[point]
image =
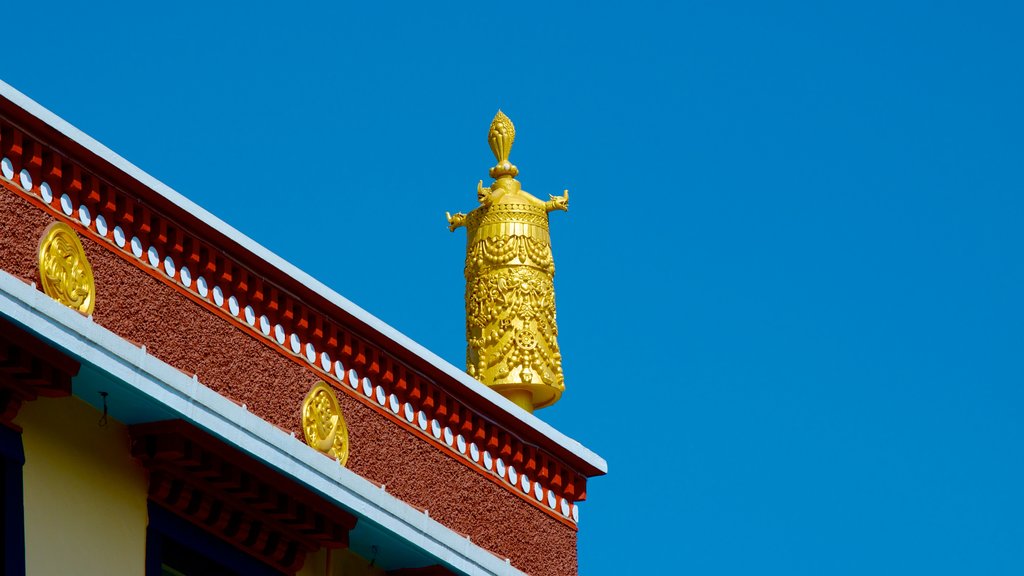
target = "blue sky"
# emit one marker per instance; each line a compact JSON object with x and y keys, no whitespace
{"x":790,"y":283}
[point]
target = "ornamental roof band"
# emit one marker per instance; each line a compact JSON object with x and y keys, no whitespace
{"x":37,"y":120}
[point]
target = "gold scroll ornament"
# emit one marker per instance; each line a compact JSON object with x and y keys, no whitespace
{"x":64,"y":270}
{"x":511,"y":333}
{"x":323,"y":424}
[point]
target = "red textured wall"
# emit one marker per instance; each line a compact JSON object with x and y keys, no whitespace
{"x":143,"y":310}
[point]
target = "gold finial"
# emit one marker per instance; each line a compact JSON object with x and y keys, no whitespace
{"x":501,"y":136}
{"x":64,"y":271}
{"x":512,"y":338}
{"x":323,"y":424}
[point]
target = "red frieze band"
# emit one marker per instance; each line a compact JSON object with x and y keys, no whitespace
{"x":139,"y":233}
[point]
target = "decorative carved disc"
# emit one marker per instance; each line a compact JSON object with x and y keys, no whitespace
{"x":323,"y":423}
{"x":64,"y":270}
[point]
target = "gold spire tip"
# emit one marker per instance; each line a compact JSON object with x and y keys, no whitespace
{"x":501,"y":136}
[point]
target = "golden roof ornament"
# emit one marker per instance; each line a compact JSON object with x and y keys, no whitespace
{"x":512,"y":343}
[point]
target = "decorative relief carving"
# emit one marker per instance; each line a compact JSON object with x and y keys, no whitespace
{"x":508,"y":250}
{"x":511,"y":333}
{"x":64,"y":271}
{"x":323,"y":423}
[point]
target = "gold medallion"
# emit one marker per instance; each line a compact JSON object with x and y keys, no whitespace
{"x":323,"y":423}
{"x":64,"y":270}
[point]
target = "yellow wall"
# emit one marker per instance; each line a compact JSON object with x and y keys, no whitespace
{"x":342,"y":562}
{"x":85,"y":496}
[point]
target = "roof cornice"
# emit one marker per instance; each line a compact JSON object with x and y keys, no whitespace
{"x":181,"y":396}
{"x":162,"y":199}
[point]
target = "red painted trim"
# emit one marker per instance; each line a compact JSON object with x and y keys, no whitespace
{"x":230,"y":495}
{"x":473,"y":433}
{"x":137,"y":219}
{"x":29,"y":368}
{"x":118,"y":188}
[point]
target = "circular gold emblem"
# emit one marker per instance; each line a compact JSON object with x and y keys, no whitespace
{"x":323,"y":423}
{"x":63,"y":269}
{"x":527,"y":339}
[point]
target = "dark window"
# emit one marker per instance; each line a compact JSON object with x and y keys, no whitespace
{"x":12,"y":516}
{"x":175,"y":547}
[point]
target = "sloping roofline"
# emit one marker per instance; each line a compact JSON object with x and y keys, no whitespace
{"x":33,"y":115}
{"x":169,"y":393}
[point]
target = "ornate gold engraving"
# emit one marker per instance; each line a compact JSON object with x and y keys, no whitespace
{"x":323,"y":423}
{"x":510,"y":297}
{"x":64,"y":271}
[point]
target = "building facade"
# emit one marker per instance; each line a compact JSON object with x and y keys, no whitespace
{"x":179,"y":400}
